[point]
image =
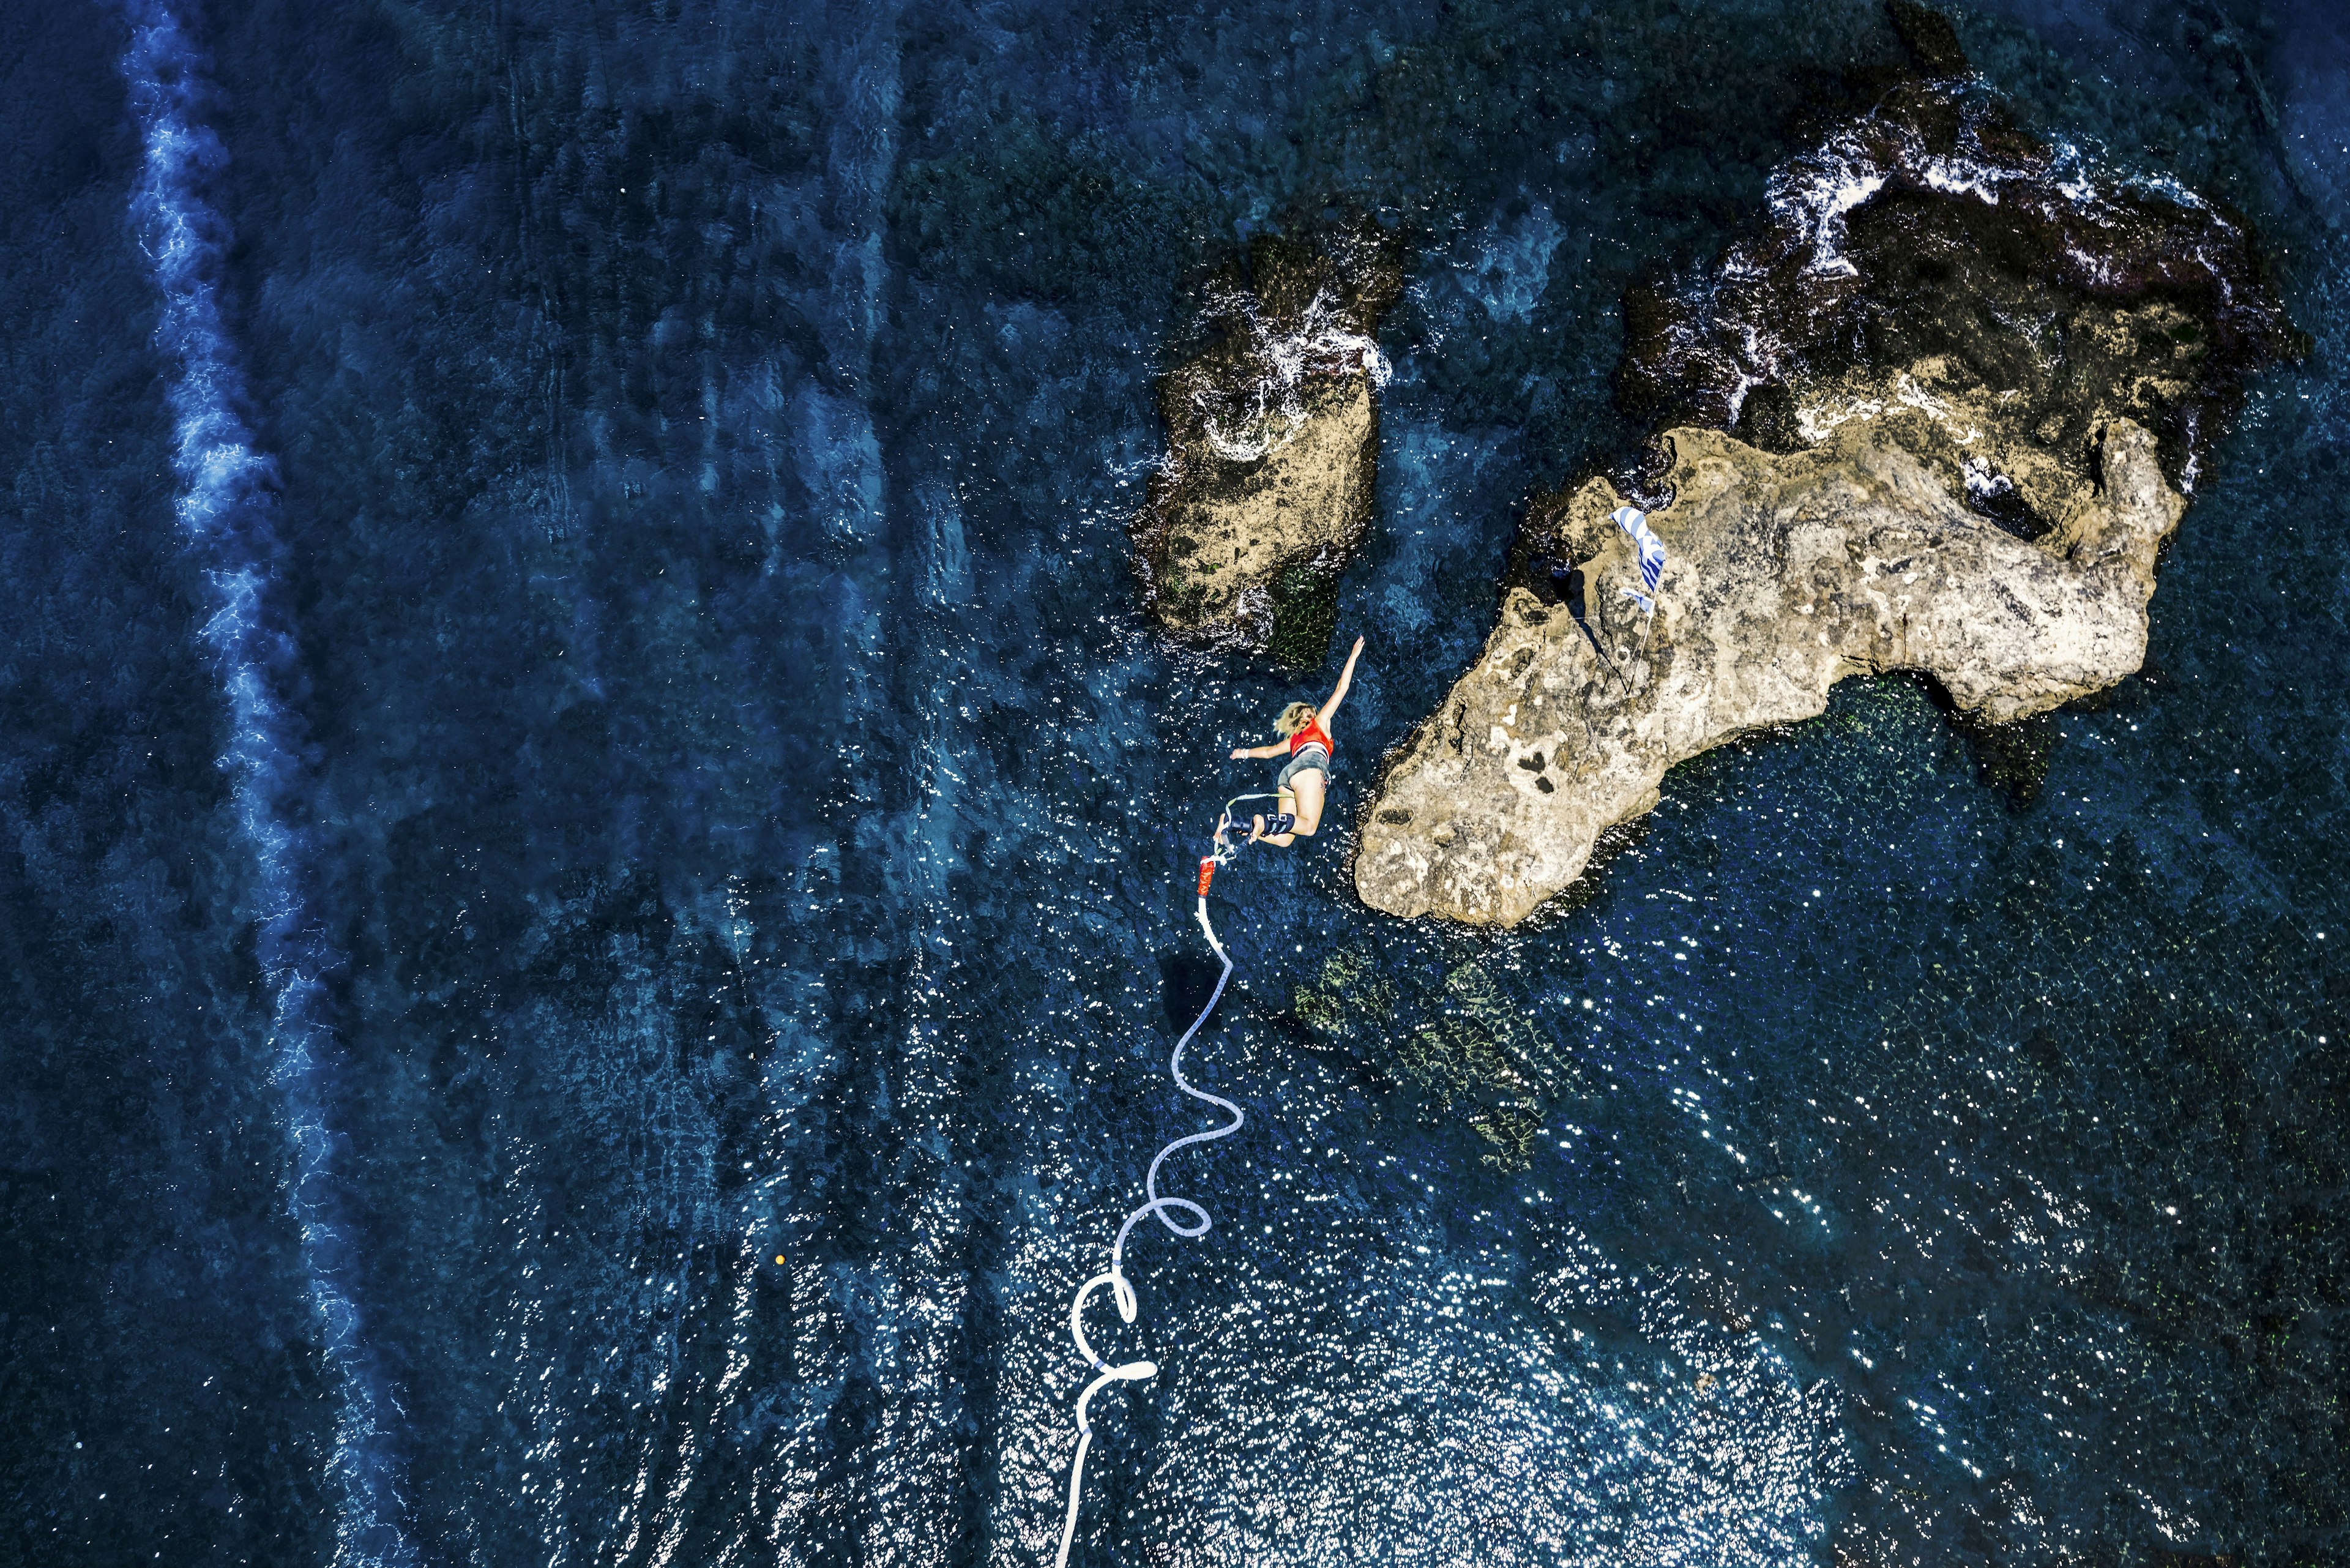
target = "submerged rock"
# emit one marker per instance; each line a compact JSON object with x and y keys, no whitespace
{"x":1939,"y":417}
{"x":1273,"y":444}
{"x":1464,"y":1044}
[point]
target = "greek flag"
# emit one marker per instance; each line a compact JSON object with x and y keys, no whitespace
{"x":1635,"y":522}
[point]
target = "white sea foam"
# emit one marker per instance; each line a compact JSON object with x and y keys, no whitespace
{"x":2070,"y":169}
{"x":1985,"y":485}
{"x":1965,"y":177}
{"x":1764,"y":361}
{"x":1818,"y":422}
{"x":1814,"y":192}
{"x":222,"y":509}
{"x":1818,"y":194}
{"x":1319,"y":344}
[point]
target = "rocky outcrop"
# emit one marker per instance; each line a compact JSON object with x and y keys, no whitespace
{"x":1931,"y":256}
{"x":1273,"y":446}
{"x":1938,"y":416}
{"x":1785,"y":575}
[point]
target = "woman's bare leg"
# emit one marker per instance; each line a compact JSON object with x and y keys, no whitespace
{"x":1310,"y":788}
{"x":1304,"y":799}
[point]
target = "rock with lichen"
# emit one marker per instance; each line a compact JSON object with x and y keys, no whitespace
{"x":1785,"y":575}
{"x":1939,"y":416}
{"x":1273,"y":446}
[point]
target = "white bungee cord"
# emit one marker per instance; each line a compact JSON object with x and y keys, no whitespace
{"x":1164,"y":1209}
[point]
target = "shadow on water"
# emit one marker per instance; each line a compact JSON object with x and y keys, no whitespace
{"x":1187,"y":979}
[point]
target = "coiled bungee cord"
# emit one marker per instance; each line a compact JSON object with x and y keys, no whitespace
{"x":1180,"y":1215}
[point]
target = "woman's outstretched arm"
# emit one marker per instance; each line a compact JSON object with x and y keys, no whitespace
{"x":1278,"y":749}
{"x":1338,"y":693}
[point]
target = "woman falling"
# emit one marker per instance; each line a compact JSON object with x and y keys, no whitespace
{"x":1304,"y":783}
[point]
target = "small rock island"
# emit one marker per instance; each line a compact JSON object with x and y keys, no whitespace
{"x":1273,"y":445}
{"x":1939,"y":416}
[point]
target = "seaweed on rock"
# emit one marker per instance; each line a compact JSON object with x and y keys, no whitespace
{"x":1933,"y":264}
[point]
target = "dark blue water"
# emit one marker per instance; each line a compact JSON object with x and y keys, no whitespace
{"x":599,"y":1015}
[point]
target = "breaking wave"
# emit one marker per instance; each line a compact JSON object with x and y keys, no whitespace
{"x":1270,"y":410}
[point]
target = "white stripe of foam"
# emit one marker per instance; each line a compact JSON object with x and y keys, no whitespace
{"x":223,"y":512}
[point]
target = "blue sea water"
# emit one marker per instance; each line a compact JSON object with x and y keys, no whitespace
{"x":588,"y":969}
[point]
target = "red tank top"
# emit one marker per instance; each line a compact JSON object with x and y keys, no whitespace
{"x":1312,"y":735}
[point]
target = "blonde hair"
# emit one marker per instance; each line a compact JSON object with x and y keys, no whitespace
{"x":1294,"y":717}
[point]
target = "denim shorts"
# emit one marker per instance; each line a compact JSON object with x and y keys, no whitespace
{"x":1309,"y":756}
